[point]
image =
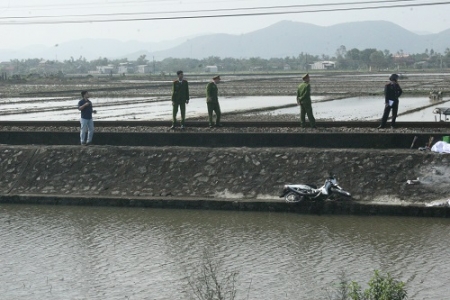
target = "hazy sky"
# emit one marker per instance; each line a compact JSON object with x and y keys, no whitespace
{"x":430,"y":19}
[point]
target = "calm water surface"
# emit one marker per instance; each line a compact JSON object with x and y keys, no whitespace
{"x":137,"y":108}
{"x":141,"y":108}
{"x":114,"y":253}
{"x":368,"y":109}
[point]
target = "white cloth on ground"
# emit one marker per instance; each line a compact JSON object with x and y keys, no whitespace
{"x":441,"y":147}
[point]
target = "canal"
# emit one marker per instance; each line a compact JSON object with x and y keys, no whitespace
{"x":49,"y":252}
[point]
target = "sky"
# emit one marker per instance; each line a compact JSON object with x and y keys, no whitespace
{"x":17,"y":18}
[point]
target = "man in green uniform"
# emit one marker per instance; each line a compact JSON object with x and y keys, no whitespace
{"x":304,"y":100}
{"x":180,"y":97}
{"x":212,"y":100}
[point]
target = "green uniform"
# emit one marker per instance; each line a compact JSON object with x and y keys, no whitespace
{"x":304,"y":99}
{"x":180,"y":96}
{"x":212,"y":100}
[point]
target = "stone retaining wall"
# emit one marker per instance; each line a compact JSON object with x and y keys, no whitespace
{"x":311,"y":138}
{"x":231,"y":173}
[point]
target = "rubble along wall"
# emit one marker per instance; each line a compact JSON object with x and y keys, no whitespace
{"x":241,"y":173}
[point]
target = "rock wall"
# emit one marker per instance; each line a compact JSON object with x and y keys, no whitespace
{"x":239,"y":173}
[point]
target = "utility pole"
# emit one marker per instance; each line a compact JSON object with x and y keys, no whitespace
{"x":154,"y":68}
{"x":306,"y":61}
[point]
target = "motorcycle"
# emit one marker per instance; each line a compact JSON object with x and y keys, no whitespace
{"x":300,"y":192}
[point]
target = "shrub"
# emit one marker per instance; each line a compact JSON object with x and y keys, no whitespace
{"x":381,"y":287}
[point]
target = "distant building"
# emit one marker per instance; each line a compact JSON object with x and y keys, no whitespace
{"x":125,"y":68}
{"x":323,"y":65}
{"x":421,"y":64}
{"x":211,"y":69}
{"x":47,"y":67}
{"x":143,"y":69}
{"x":400,"y":55}
{"x":256,"y":68}
{"x":109,"y":69}
{"x":287,"y":67}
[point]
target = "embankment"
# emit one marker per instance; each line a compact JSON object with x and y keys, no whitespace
{"x":240,"y":174}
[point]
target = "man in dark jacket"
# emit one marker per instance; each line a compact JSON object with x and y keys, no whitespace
{"x":392,"y":91}
{"x":86,"y":121}
{"x":212,"y":100}
{"x":180,"y":97}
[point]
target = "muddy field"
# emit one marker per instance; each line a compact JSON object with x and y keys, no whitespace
{"x":336,"y":84}
{"x":268,"y":97}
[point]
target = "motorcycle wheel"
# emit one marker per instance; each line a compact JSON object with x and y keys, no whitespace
{"x":293,"y":198}
{"x":341,"y":192}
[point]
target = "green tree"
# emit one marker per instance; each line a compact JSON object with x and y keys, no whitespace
{"x":353,"y":58}
{"x":377,"y":59}
{"x":365,"y":56}
{"x":341,"y":52}
{"x":141,"y":60}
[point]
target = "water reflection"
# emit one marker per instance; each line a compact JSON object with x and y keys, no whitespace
{"x":138,"y":108}
{"x":366,"y":109}
{"x":142,"y":108}
{"x":110,"y":253}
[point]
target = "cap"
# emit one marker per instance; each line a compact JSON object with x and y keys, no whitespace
{"x":393,"y":77}
{"x":216,"y":77}
{"x":305,"y":76}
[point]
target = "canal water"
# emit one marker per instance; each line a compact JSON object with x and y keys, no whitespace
{"x":49,"y":252}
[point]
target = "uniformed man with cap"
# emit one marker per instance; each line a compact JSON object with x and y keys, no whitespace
{"x":304,"y":100}
{"x":212,"y":100}
{"x":180,"y":97}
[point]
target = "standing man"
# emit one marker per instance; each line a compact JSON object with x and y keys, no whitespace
{"x":180,"y":97}
{"x":304,"y":100}
{"x":392,"y":91}
{"x":87,"y":123}
{"x":212,"y":100}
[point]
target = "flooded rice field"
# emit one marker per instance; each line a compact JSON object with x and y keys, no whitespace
{"x":139,"y":108}
{"x":367,"y":108}
{"x":354,"y":96}
{"x":371,"y":108}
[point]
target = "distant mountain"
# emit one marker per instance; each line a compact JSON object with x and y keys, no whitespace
{"x":88,"y":48}
{"x":288,"y":38}
{"x":282,"y":39}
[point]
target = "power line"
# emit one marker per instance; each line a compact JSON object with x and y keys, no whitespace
{"x":210,"y":10}
{"x":103,"y":4}
{"x":227,"y":15}
{"x":70,"y":5}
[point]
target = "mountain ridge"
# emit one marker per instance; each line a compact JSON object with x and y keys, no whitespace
{"x":288,"y":38}
{"x":285,"y":38}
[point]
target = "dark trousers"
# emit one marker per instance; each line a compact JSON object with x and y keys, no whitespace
{"x":175,"y":111}
{"x":213,"y":107}
{"x":387,"y":110}
{"x":307,"y":110}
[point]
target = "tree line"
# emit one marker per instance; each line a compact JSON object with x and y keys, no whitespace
{"x":344,"y":59}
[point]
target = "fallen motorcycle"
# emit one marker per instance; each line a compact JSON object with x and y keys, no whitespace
{"x":300,"y":192}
